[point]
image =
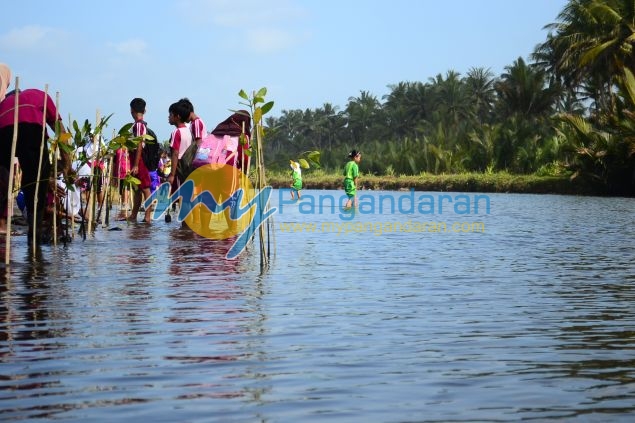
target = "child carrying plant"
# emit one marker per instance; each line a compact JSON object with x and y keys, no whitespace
{"x":351,"y":172}
{"x":296,"y":183}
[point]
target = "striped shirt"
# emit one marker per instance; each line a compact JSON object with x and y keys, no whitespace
{"x":138,"y":130}
{"x":180,"y":139}
{"x":197,"y":127}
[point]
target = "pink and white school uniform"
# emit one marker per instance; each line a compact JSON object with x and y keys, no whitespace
{"x":180,"y":140}
{"x":198,"y":129}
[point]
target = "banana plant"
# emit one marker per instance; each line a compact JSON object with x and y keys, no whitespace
{"x":309,"y":158}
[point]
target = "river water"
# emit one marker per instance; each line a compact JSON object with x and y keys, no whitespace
{"x":525,"y":312}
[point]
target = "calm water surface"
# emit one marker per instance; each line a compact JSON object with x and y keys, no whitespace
{"x":534,"y":318}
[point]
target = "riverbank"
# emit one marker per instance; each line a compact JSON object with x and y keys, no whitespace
{"x":468,"y":182}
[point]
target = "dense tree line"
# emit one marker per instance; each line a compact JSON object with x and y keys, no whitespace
{"x":567,"y":109}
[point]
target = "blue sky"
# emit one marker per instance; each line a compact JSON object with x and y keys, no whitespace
{"x":99,"y":55}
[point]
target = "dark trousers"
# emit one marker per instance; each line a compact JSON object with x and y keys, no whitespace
{"x":27,"y":150}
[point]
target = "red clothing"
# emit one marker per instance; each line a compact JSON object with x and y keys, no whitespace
{"x":139,"y":128}
{"x":197,"y":128}
{"x":144,"y":176}
{"x":122,"y":163}
{"x":29,"y":142}
{"x":30,"y":108}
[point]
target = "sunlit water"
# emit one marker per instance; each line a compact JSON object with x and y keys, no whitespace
{"x":534,"y":318}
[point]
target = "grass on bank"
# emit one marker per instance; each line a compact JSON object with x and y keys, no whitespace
{"x":464,"y":182}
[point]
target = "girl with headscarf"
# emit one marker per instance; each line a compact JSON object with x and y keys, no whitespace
{"x":235,"y":125}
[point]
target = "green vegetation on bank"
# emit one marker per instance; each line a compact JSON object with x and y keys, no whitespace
{"x":466,"y":182}
{"x":571,"y":104}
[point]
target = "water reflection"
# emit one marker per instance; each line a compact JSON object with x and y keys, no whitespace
{"x":189,"y":253}
{"x":23,"y":309}
{"x":530,"y":320}
{"x":212,"y":302}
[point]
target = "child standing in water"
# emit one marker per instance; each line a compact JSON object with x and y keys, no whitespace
{"x":351,"y":172}
{"x":296,"y":184}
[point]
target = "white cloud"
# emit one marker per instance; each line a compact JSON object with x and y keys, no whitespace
{"x":32,"y":37}
{"x":265,"y":27}
{"x":132,"y":47}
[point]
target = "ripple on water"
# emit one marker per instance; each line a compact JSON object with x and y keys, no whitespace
{"x":532,"y":319}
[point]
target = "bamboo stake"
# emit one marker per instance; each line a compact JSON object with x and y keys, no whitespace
{"x":71,"y":158}
{"x":110,"y":180}
{"x":88,"y":211}
{"x":105,"y":179}
{"x":127,"y":194}
{"x":264,"y":250}
{"x":90,"y":201}
{"x":55,"y":152}
{"x":124,"y":196}
{"x":39,"y":168}
{"x":11,"y":173}
{"x":83,"y":210}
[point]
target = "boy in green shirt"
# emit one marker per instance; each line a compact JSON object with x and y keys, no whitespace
{"x":351,"y":172}
{"x":296,"y":184}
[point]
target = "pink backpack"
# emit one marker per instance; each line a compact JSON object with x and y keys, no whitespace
{"x":216,"y":150}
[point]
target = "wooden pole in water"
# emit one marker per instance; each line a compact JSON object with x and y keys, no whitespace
{"x":107,"y":194}
{"x":264,"y":239}
{"x":71,"y":158}
{"x":55,"y":152}
{"x":7,"y":240}
{"x":105,"y":180}
{"x":39,"y":167}
{"x":90,"y":202}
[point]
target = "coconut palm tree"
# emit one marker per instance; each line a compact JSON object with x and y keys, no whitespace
{"x":451,"y":105}
{"x":522,"y":91}
{"x":362,"y":112}
{"x":480,"y":90}
{"x":593,"y":38}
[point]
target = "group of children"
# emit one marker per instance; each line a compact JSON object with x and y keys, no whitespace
{"x":351,"y":173}
{"x":38,"y":112}
{"x":188,"y":141}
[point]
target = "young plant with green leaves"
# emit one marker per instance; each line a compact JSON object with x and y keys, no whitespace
{"x":258,"y":107}
{"x":73,"y":146}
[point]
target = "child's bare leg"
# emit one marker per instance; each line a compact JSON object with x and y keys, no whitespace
{"x":148,"y":212}
{"x":292,"y":196}
{"x":136,"y":204}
